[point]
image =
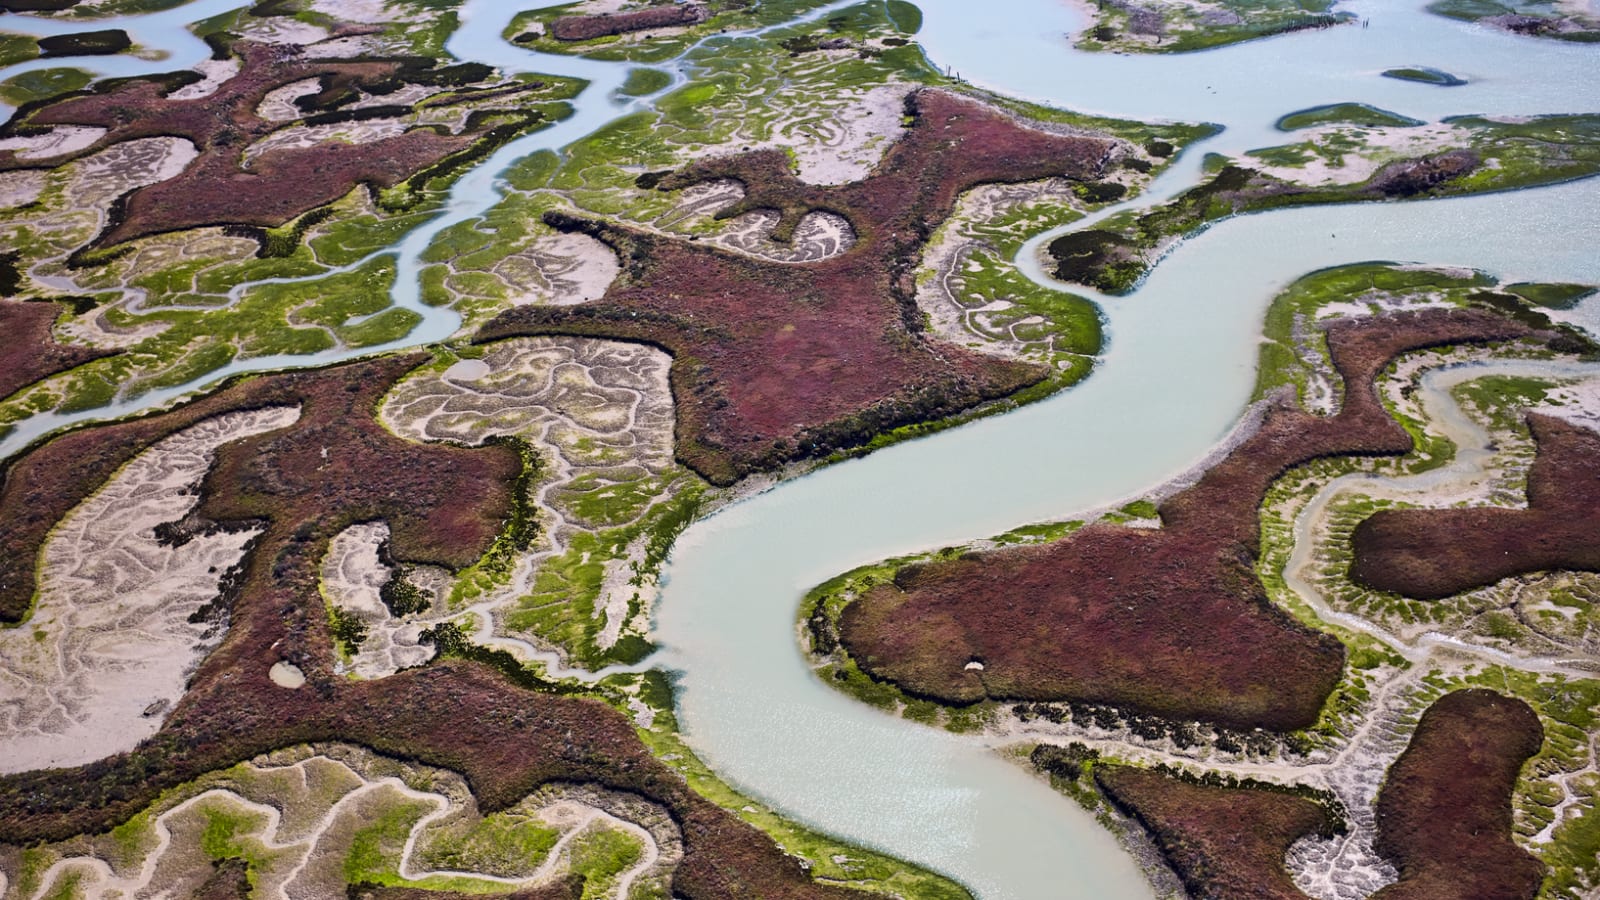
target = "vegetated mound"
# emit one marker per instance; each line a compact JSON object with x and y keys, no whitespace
{"x":1425,"y":75}
{"x":219,"y":187}
{"x":1113,"y":258}
{"x":1170,"y":621}
{"x":1224,"y":842}
{"x":1345,"y":113}
{"x":1429,"y":554}
{"x":775,"y":361}
{"x":85,"y":43}
{"x":29,"y":351}
{"x":1444,"y":814}
{"x":336,"y":466}
{"x":585,"y":28}
{"x":1536,"y":18}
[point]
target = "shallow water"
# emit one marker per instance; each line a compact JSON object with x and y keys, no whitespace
{"x":1177,"y":373}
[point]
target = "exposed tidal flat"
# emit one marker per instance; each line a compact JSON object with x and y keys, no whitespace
{"x":1179,"y":369}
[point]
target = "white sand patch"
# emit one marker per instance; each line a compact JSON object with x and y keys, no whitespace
{"x":110,"y":645}
{"x":599,"y":7}
{"x":281,"y":30}
{"x":299,"y":137}
{"x":407,"y":95}
{"x":1578,"y":403}
{"x":352,"y":577}
{"x":278,"y":104}
{"x":559,"y":270}
{"x":1382,"y":146}
{"x":58,"y":140}
{"x":365,"y":12}
{"x":618,"y":592}
{"x":574,"y":392}
{"x":216,"y":71}
{"x":594,"y":408}
{"x":286,"y":675}
{"x":347,"y":47}
{"x":21,"y":187}
{"x":114,"y":171}
{"x":844,"y":145}
{"x":959,"y":315}
{"x":817,"y":236}
{"x":1382,"y":303}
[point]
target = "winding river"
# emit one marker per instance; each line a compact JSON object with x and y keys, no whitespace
{"x":1173,"y":382}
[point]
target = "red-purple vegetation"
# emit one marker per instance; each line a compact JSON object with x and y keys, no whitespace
{"x":1170,"y":621}
{"x":333,"y":467}
{"x":1434,"y":553}
{"x":775,"y":361}
{"x":1444,"y":814}
{"x":444,"y":503}
{"x":586,"y":28}
{"x":29,"y":351}
{"x":218,"y":187}
{"x":1225,"y":843}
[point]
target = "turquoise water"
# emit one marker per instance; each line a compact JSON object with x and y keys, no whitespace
{"x":1174,"y":380}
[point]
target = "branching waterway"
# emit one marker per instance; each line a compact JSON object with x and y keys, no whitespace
{"x":1175,"y":379}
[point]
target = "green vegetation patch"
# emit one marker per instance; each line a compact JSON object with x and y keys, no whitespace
{"x":1347,"y":114}
{"x":41,"y":84}
{"x":643,"y":82}
{"x":1171,"y":27}
{"x":506,"y":844}
{"x":1539,"y":18}
{"x":906,"y":16}
{"x":1498,"y":155}
{"x":15,"y":48}
{"x":1290,"y":324}
{"x":1425,"y":75}
{"x":1552,"y":296}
